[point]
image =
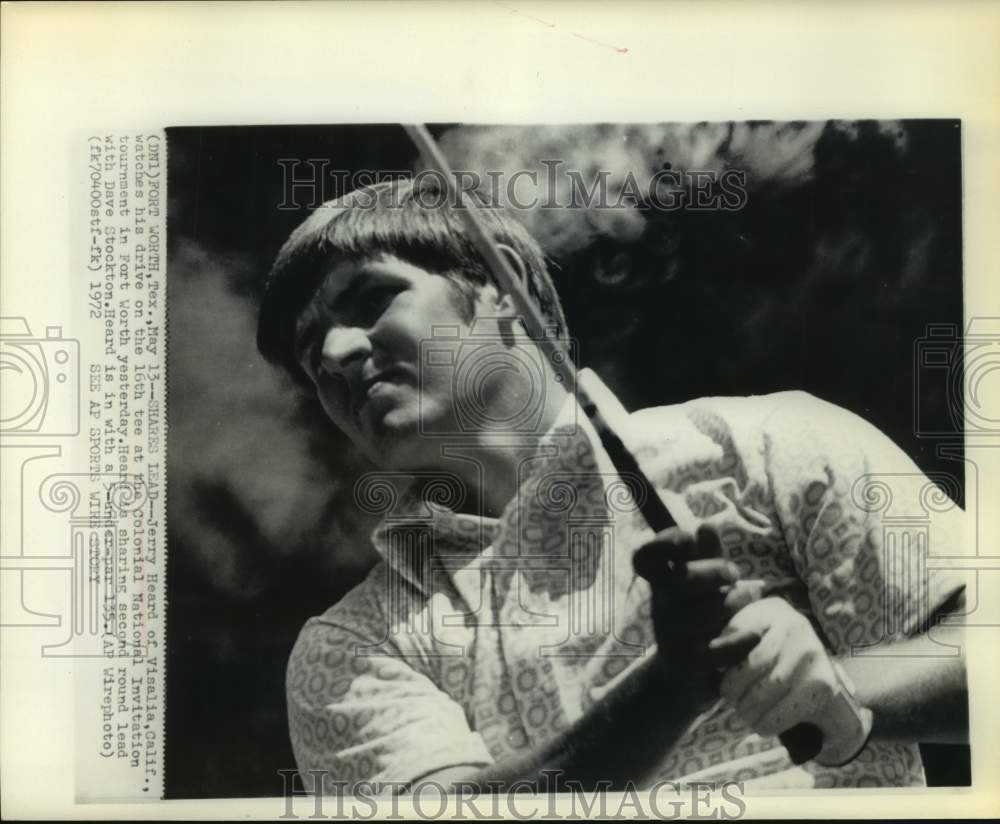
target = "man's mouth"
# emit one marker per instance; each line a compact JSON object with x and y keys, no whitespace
{"x":395,"y":374}
{"x":378,"y":385}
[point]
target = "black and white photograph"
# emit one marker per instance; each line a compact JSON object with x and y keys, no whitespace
{"x":423,"y":410}
{"x":576,"y":461}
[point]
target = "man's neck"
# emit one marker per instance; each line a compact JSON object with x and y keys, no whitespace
{"x":489,"y":464}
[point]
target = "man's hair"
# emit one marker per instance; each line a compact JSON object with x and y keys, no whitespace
{"x":412,"y":220}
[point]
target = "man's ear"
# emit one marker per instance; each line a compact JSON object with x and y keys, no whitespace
{"x":492,"y":304}
{"x":508,"y":317}
{"x":516,"y":263}
{"x":505,"y":305}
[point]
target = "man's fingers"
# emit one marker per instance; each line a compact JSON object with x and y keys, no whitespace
{"x":673,"y":537}
{"x":670,"y":550}
{"x":707,"y":544}
{"x":743,"y":593}
{"x":686,"y":587}
{"x":688,"y":583}
{"x":757,"y":665}
{"x":708,"y":574}
{"x":665,"y":556}
{"x":656,"y":565}
{"x":731,"y":649}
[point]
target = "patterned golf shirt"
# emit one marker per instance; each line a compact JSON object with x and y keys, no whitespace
{"x":476,"y":639}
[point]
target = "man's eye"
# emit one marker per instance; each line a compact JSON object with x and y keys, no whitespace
{"x":374,"y":301}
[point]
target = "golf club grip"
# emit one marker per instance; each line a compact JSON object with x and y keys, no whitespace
{"x":803,"y":742}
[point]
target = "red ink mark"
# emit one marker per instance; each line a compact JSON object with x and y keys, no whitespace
{"x":619,"y":49}
{"x":547,"y":24}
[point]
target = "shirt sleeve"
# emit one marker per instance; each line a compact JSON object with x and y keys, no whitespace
{"x":359,"y":709}
{"x":865,"y":526}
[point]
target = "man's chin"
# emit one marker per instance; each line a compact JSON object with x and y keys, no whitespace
{"x":395,"y":437}
{"x":403,"y":440}
{"x":397,"y":421}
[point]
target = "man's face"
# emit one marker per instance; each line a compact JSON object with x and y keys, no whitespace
{"x":359,"y":341}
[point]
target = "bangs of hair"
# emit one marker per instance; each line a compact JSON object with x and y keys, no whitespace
{"x":414,"y":222}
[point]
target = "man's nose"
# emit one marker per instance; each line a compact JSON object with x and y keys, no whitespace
{"x":344,"y":348}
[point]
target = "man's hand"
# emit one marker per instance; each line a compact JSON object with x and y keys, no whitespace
{"x":788,"y":678}
{"x":694,"y":593}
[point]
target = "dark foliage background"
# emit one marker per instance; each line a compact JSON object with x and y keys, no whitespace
{"x":848,"y":247}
